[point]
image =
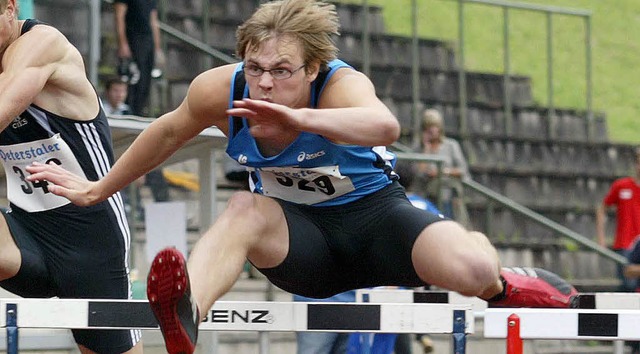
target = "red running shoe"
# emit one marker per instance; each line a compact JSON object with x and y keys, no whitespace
{"x":533,"y":287}
{"x":169,"y":295}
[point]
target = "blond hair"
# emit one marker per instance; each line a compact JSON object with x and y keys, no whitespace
{"x":433,"y":118}
{"x":312,"y":23}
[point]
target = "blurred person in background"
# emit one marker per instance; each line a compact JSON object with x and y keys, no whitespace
{"x":138,"y":34}
{"x":115,"y":93}
{"x":454,"y":168}
{"x":624,"y":197}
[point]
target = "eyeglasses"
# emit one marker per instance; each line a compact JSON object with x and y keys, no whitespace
{"x":277,"y":73}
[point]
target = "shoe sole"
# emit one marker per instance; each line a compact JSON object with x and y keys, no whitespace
{"x":166,"y":285}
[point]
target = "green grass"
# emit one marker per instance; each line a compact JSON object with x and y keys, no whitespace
{"x":615,"y":72}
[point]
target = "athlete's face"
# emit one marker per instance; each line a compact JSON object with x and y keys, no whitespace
{"x":277,"y":57}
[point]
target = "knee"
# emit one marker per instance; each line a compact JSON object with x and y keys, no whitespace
{"x":449,"y":256}
{"x":480,"y":267}
{"x":243,"y":210}
{"x":479,"y":274}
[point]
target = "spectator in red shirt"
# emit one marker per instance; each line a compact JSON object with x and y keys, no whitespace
{"x":624,"y":195}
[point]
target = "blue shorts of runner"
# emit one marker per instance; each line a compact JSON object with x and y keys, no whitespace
{"x":82,"y":256}
{"x":362,"y":244}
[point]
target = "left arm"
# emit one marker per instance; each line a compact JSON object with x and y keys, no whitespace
{"x":155,"y":28}
{"x":460,"y":169}
{"x":349,"y":112}
{"x":632,"y":270}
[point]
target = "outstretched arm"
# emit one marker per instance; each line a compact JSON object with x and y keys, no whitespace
{"x":199,"y":110}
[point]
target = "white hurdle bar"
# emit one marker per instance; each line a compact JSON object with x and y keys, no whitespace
{"x":416,"y":296}
{"x":262,"y":316}
{"x":615,"y":311}
{"x":565,"y":324}
{"x":603,"y":301}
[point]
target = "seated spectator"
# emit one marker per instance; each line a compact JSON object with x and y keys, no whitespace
{"x":114,"y":97}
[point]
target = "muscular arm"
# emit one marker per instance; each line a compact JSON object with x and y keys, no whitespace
{"x":351,"y":113}
{"x":27,"y":65}
{"x":203,"y":107}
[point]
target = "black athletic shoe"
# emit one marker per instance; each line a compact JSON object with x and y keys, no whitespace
{"x":169,"y":295}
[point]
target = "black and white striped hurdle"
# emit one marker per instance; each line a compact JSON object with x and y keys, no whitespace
{"x":418,"y":296}
{"x":18,"y":313}
{"x":601,"y":316}
{"x":603,"y":301}
{"x":582,"y":324}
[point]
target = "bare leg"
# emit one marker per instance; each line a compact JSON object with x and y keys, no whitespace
{"x":10,"y":258}
{"x":251,"y":226}
{"x":448,"y":256}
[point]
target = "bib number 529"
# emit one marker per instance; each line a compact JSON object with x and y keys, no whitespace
{"x":322,"y":184}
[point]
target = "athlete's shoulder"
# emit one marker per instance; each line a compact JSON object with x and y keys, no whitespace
{"x":208,"y":94}
{"x":218,"y":77}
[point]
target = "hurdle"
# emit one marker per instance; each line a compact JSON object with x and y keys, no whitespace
{"x":16,"y":313}
{"x":603,"y":301}
{"x":419,"y":296}
{"x":579,"y":324}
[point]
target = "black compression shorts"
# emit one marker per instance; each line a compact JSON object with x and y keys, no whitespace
{"x":361,"y":244}
{"x":82,"y":257}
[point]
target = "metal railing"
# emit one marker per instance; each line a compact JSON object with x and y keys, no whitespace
{"x":549,"y":11}
{"x":462,"y":93}
{"x":497,"y":198}
{"x":544,"y":221}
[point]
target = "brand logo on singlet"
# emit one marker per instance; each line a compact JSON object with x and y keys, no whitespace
{"x":242,"y":159}
{"x":304,"y":156}
{"x":19,"y":122}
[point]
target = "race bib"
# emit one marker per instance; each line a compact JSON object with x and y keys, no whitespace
{"x":35,"y":196}
{"x":304,"y":185}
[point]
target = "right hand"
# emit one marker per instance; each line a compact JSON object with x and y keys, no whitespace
{"x":124,"y":51}
{"x":78,"y":190}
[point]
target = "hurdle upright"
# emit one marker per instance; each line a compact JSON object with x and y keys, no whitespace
{"x":265,"y":316}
